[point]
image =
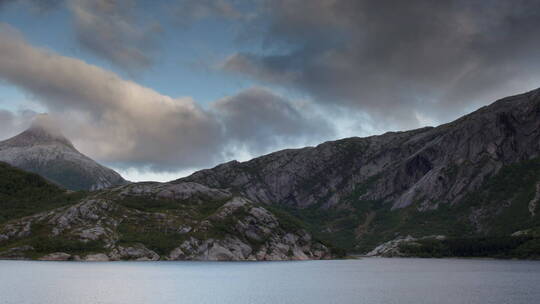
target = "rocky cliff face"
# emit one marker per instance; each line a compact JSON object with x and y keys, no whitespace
{"x":426,"y":165}
{"x":45,"y":151}
{"x":155,"y":221}
{"x":347,"y":187}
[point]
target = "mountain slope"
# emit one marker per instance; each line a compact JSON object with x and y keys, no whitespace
{"x":43,"y":150}
{"x":362,"y":191}
{"x":143,"y":221}
{"x":23,"y":194}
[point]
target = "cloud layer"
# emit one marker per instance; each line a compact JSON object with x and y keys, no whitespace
{"x":399,"y":60}
{"x":122,"y":122}
{"x":369,"y":65}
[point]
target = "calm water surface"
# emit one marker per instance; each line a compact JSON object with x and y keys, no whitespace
{"x":372,"y":280}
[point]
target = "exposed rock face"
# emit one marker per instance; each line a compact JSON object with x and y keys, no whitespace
{"x":420,"y":170}
{"x":56,"y":256}
{"x":153,"y":221}
{"x":391,"y":248}
{"x":136,"y":252}
{"x":98,"y":257}
{"x":425,"y":165}
{"x":49,"y":154}
{"x":533,"y":204}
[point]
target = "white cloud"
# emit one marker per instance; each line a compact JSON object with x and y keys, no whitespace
{"x":131,"y":126}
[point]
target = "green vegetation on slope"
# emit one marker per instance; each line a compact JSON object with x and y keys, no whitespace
{"x":67,"y":174}
{"x":502,"y":202}
{"x":506,"y":196}
{"x":362,"y":224}
{"x":23,"y":193}
{"x":496,"y":247}
{"x":158,"y":239}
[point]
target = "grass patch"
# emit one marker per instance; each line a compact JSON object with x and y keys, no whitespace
{"x":497,"y":247}
{"x":59,"y":244}
{"x":23,"y":194}
{"x":162,"y":241}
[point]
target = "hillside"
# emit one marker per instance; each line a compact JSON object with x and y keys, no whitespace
{"x":23,"y":193}
{"x":143,"y":221}
{"x":476,"y":176}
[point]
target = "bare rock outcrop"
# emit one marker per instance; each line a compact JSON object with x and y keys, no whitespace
{"x":189,"y":222}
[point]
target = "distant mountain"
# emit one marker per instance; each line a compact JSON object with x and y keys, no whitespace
{"x":44,"y":150}
{"x":476,"y":176}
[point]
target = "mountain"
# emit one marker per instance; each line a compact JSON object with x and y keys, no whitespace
{"x":143,"y":221}
{"x":467,"y":188}
{"x":44,"y":150}
{"x":476,"y":176}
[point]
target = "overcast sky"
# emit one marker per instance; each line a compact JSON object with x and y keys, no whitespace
{"x":157,"y":89}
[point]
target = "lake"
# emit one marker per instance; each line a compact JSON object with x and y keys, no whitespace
{"x":369,"y":280}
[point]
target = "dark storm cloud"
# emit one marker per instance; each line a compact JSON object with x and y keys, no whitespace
{"x":401,"y":60}
{"x":122,"y":122}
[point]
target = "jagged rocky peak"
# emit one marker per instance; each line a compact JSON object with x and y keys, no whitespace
{"x":43,"y":149}
{"x":44,"y":130}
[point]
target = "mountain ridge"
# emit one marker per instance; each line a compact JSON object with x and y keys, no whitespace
{"x":422,"y":192}
{"x":427,"y":168}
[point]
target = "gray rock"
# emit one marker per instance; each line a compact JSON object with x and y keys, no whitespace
{"x":56,"y":256}
{"x":400,"y":167}
{"x":97,"y":257}
{"x":137,"y":252}
{"x":391,"y":248}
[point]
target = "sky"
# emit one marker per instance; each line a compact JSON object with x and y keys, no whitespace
{"x":158,"y":89}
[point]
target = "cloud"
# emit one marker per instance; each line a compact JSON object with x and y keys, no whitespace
{"x":5,"y":2}
{"x":12,"y":123}
{"x":257,"y":118}
{"x":398,"y":60}
{"x":188,"y":12}
{"x":39,"y":5}
{"x":122,"y":122}
{"x":111,"y":29}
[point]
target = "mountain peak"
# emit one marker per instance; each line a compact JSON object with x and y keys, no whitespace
{"x":44,"y":150}
{"x":44,"y":130}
